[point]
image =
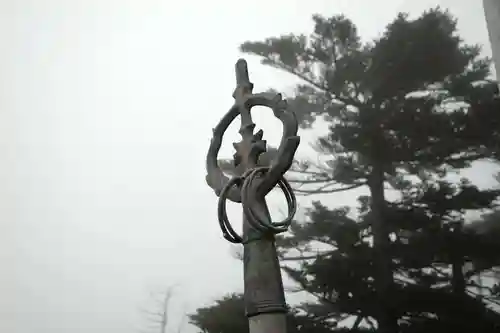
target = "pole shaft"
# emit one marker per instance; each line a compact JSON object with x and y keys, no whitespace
{"x":267,"y":323}
{"x":264,"y":295}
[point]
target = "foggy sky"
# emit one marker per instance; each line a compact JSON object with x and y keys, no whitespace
{"x":106,"y":110}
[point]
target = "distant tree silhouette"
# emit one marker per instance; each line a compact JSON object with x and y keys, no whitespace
{"x":158,"y":317}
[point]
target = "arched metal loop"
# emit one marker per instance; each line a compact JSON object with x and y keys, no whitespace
{"x":245,"y":100}
{"x":225,"y":225}
{"x":215,"y":177}
{"x":245,"y":184}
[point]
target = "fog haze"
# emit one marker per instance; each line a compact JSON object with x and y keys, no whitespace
{"x":106,"y":110}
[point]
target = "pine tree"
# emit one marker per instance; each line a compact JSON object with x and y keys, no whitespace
{"x":404,"y":111}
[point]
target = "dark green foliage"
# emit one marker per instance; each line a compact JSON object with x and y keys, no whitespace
{"x":363,"y":89}
{"x":393,"y":110}
{"x":404,"y":111}
{"x":228,"y":316}
{"x":425,"y":247}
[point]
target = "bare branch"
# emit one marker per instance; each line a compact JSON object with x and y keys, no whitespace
{"x":150,"y":313}
{"x":183,"y":321}
{"x":160,"y":317}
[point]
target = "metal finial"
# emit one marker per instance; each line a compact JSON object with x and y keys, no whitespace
{"x":243,"y":84}
{"x":242,"y":77}
{"x":265,"y":303}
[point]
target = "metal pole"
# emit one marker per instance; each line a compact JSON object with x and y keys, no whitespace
{"x":264,"y":296}
{"x":492,"y":15}
{"x":265,"y":303}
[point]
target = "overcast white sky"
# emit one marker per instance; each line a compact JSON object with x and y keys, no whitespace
{"x":106,"y":110}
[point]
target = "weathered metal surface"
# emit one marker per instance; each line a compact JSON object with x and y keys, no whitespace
{"x":251,"y":211}
{"x":252,"y":145}
{"x":264,"y":295}
{"x":262,"y":274}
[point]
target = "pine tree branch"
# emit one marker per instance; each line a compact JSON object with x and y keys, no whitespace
{"x":357,"y":322}
{"x":290,"y":70}
{"x":480,"y":270}
{"x":292,"y":289}
{"x":489,"y":299}
{"x":306,"y":257}
{"x":439,"y":271}
{"x":323,"y":190}
{"x":151,"y":313}
{"x":370,"y":323}
{"x":309,"y":181}
{"x":312,"y":173}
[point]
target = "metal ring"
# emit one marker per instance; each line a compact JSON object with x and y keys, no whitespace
{"x":248,"y":203}
{"x":227,"y":230}
{"x":248,"y":200}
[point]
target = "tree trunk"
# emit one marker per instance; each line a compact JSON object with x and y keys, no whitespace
{"x":384,"y":281}
{"x":461,"y":317}
{"x":457,"y":265}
